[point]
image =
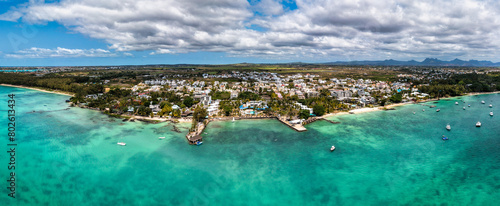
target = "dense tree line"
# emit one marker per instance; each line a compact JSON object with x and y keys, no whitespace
{"x":77,"y":85}
{"x":248,"y":96}
{"x":458,"y":84}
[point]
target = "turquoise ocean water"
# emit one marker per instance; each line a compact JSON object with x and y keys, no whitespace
{"x":69,"y":156}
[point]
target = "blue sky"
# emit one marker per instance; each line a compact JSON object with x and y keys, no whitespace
{"x":134,"y":32}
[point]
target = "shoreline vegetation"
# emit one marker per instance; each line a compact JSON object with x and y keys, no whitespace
{"x":189,"y":120}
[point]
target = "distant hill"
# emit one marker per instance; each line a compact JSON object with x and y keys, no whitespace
{"x":426,"y":62}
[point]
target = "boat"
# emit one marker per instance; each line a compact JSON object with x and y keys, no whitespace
{"x":121,"y":143}
{"x":478,"y":124}
{"x":413,"y":112}
{"x":469,"y":105}
{"x":491,"y":105}
{"x":491,"y":113}
{"x":333,"y":148}
{"x":444,"y":138}
{"x":464,"y":108}
{"x":448,"y":127}
{"x":233,"y":119}
{"x":456,"y":103}
{"x":423,"y":110}
{"x":437,"y":110}
{"x":199,"y":142}
{"x":432,"y":106}
{"x":161,"y":137}
{"x":482,"y":102}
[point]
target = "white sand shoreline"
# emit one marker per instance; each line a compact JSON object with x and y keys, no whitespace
{"x":37,"y":89}
{"x":354,"y":111}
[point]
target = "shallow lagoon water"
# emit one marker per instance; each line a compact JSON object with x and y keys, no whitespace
{"x":69,"y":156}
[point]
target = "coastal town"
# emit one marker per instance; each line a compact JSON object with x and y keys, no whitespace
{"x":199,"y":96}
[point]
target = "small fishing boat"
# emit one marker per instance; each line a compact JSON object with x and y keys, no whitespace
{"x":333,"y":148}
{"x":444,"y":138}
{"x":478,"y":124}
{"x":464,"y":108}
{"x":491,"y":113}
{"x":469,"y":105}
{"x":482,"y":102}
{"x":423,"y":110}
{"x":491,"y":105}
{"x":161,"y":137}
{"x":448,"y":127}
{"x":121,"y":143}
{"x":199,"y":142}
{"x":437,"y":110}
{"x":456,"y":103}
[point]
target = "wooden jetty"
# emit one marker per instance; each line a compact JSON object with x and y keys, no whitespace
{"x":195,"y":135}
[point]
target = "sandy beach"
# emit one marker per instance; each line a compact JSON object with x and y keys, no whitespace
{"x":366,"y":109}
{"x":38,"y":89}
{"x":353,"y":111}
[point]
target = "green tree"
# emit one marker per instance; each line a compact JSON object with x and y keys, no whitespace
{"x":319,"y":110}
{"x":188,"y":101}
{"x":143,"y":111}
{"x":304,"y":114}
{"x":396,"y":98}
{"x":199,"y":113}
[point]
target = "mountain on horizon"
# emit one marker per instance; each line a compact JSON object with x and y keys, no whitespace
{"x":426,"y":62}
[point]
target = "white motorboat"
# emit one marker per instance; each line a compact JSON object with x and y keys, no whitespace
{"x":464,"y":108}
{"x":491,"y":113}
{"x":448,"y":127}
{"x":469,"y":105}
{"x":233,"y":119}
{"x":333,"y":148}
{"x":482,"y":102}
{"x":456,"y":103}
{"x":121,"y":143}
{"x":478,"y":124}
{"x":423,"y":110}
{"x":437,"y":110}
{"x":161,"y":137}
{"x":491,"y":105}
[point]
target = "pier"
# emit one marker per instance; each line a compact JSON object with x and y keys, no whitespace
{"x":195,"y":136}
{"x":313,"y":119}
{"x":296,"y":127}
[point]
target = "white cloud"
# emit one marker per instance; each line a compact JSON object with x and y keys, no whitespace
{"x":317,"y":29}
{"x":269,"y":7}
{"x":59,"y":52}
